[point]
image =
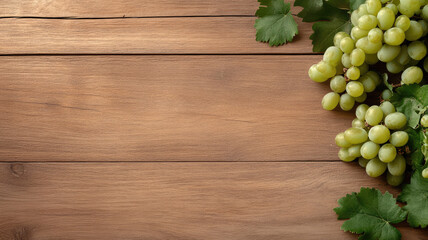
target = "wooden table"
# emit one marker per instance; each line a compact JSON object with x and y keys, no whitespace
{"x":136,"y":119}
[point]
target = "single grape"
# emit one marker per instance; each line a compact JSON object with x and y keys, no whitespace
{"x":394,"y":67}
{"x":398,"y":166}
{"x":339,"y":68}
{"x":326,"y":68}
{"x":425,"y":173}
{"x":360,"y":112}
{"x":411,"y":5}
{"x":338,"y":84}
{"x":417,"y":50}
{"x":375,"y":167}
{"x":373,"y":6}
{"x":403,"y":58}
{"x":346,"y":60}
{"x":330,"y":101}
{"x":371,"y":59}
{"x":361,"y":98}
{"x":386,"y":94}
{"x":425,"y":12}
{"x":424,"y":25}
{"x":386,"y":18}
{"x":355,"y":88}
{"x":412,"y":75}
{"x":363,"y":162}
{"x":358,"y":123}
{"x":338,"y":37}
{"x":353,"y":73}
{"x":399,"y":138}
{"x":341,"y":141}
{"x":362,"y":9}
{"x":355,"y":135}
{"x":395,"y":121}
{"x":373,"y":75}
{"x":415,"y":31}
{"x":332,"y":55}
{"x":375,"y":35}
{"x":357,"y":57}
{"x":387,"y":108}
{"x":394,"y":180}
{"x":368,"y":83}
{"x":394,"y":36}
{"x":357,"y":33}
{"x":402,"y":22}
{"x":387,"y":153}
{"x":344,"y":155}
{"x":379,"y":134}
{"x":405,"y":11}
{"x":316,"y":75}
{"x":367,"y":46}
{"x":374,"y":115}
{"x":354,"y":151}
{"x":424,"y":121}
{"x":346,"y":102}
{"x":388,"y":53}
{"x":364,"y":68}
{"x":347,"y":45}
{"x":367,"y":22}
{"x":354,"y":18}
{"x":393,"y":7}
{"x":369,"y":150}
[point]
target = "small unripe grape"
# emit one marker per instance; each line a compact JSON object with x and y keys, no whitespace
{"x":355,"y":135}
{"x":398,"y":166}
{"x":379,"y":134}
{"x":375,"y":167}
{"x":374,"y":115}
{"x":396,"y":121}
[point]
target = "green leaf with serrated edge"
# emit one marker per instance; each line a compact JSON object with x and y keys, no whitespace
{"x":354,"y":4}
{"x":415,"y":144}
{"x":343,"y":4}
{"x":316,"y":10}
{"x":385,"y":81}
{"x":415,"y":195}
{"x":371,"y":214}
{"x":324,"y":32}
{"x":275,"y":24}
{"x":412,"y":100}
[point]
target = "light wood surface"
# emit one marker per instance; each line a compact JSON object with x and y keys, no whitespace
{"x":179,"y":200}
{"x":196,"y":35}
{"x":164,"y":108}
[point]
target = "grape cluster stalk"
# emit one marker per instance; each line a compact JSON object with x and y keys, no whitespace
{"x":392,"y":32}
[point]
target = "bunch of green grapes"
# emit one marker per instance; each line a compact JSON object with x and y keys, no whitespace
{"x":376,"y":139}
{"x":392,"y":32}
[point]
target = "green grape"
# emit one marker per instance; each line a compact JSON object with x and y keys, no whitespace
{"x":354,"y":151}
{"x":353,"y":73}
{"x":338,"y":37}
{"x":394,"y":180}
{"x":379,"y":134}
{"x":425,"y":12}
{"x":414,"y":32}
{"x":387,"y":153}
{"x":375,"y":35}
{"x":347,"y":45}
{"x":355,"y":88}
{"x":386,"y":18}
{"x":363,"y":162}
{"x":357,"y":57}
{"x":330,"y":101}
{"x":371,"y":59}
{"x":373,"y":75}
{"x":358,"y":123}
{"x":367,"y":46}
{"x":412,"y":75}
{"x":364,"y":68}
{"x":402,"y":22}
{"x":341,"y":141}
{"x":426,"y":64}
{"x":393,"y":7}
{"x":346,"y":102}
{"x":411,"y":5}
{"x":339,"y":68}
{"x":332,"y":55}
{"x":425,"y":173}
{"x":373,"y":6}
{"x":354,"y":18}
{"x":344,"y":155}
{"x":362,"y":10}
{"x":405,"y":11}
{"x":369,"y":150}
{"x":368,"y":83}
{"x":374,"y":115}
{"x":346,"y":60}
{"x":398,"y":166}
{"x":424,"y":25}
{"x":386,"y":94}
{"x":399,"y":138}
{"x":424,"y":121}
{"x":417,"y":50}
{"x":367,"y":22}
{"x":387,"y":108}
{"x":355,"y":135}
{"x":403,"y":58}
{"x":394,"y":67}
{"x":388,"y":53}
{"x":395,"y":121}
{"x":315,"y":75}
{"x":360,"y":112}
{"x":361,"y":98}
{"x":394,"y":36}
{"x":357,"y":33}
{"x":375,"y":167}
{"x":338,"y":84}
{"x":412,"y":63}
{"x":326,"y":68}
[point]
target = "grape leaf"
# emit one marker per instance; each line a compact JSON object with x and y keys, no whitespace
{"x":275,"y":24}
{"x":343,"y":4}
{"x":416,"y":138}
{"x":324,"y":32}
{"x":371,"y":214}
{"x":412,"y":100}
{"x":415,"y":195}
{"x":315,"y":10}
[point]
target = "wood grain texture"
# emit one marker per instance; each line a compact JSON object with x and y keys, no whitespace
{"x":128,"y":8}
{"x":247,"y":201}
{"x":195,"y":35}
{"x":164,"y":108}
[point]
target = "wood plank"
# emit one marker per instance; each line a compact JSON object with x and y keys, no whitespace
{"x":128,"y":8}
{"x":179,"y":200}
{"x":196,"y":35}
{"x":164,"y":108}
